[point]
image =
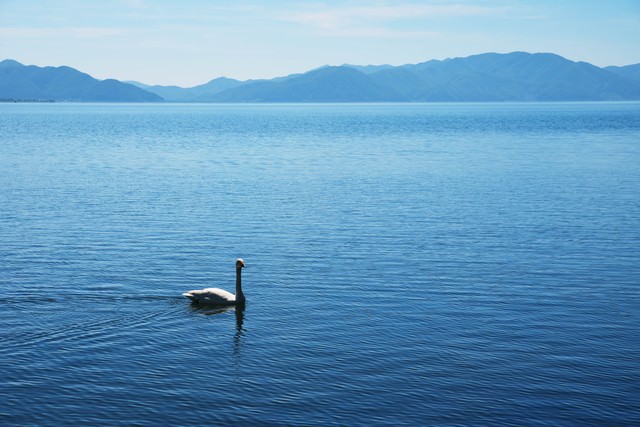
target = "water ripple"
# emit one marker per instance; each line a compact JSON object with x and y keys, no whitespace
{"x":408,"y":264}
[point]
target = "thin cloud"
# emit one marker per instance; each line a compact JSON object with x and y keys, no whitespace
{"x":340,"y":17}
{"x":54,"y":32}
{"x":137,"y":4}
{"x":386,"y":33}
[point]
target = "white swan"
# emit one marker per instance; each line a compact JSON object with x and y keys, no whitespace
{"x":217,"y":296}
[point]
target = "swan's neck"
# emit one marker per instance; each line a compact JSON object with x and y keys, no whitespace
{"x":239,"y":295}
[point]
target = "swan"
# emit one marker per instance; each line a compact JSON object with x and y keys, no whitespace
{"x":217,"y":296}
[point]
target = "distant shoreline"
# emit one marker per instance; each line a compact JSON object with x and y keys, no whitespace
{"x":16,"y":101}
{"x":266,"y":103}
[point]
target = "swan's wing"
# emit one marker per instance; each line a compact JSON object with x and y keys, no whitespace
{"x":211,"y":296}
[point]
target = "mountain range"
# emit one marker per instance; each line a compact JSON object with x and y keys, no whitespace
{"x":22,"y":82}
{"x":516,"y":76}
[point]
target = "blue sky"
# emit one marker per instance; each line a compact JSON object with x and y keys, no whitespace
{"x":189,"y":42}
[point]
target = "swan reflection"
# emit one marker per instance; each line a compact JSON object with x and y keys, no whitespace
{"x":209,"y":310}
{"x":238,"y":310}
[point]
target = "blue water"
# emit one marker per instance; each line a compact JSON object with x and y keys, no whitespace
{"x":421,"y":264}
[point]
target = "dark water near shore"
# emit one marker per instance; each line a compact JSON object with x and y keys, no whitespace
{"x":453,"y":264}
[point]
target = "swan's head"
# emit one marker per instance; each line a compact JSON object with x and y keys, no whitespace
{"x":240,"y":263}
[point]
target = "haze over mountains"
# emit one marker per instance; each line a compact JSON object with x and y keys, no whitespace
{"x":517,"y":76}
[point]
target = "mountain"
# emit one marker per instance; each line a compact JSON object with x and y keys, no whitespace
{"x":200,"y":93}
{"x":369,"y":69}
{"x":303,"y":87}
{"x":22,"y":82}
{"x":327,"y":84}
{"x":631,"y":72}
{"x":516,"y":76}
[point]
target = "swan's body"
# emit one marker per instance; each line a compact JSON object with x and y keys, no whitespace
{"x":217,"y":296}
{"x":212,"y":296}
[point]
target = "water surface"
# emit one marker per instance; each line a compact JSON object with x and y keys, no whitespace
{"x":408,"y":264}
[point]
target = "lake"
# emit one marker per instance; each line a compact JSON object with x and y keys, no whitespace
{"x":407,"y":264}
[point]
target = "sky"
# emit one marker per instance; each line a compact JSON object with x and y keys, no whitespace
{"x":189,"y":42}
